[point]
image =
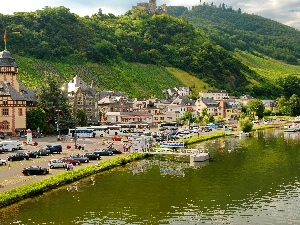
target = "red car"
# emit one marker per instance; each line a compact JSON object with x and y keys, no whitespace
{"x":70,"y":160}
{"x":116,"y":138}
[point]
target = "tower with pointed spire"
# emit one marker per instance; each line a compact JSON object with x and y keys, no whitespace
{"x":13,"y":95}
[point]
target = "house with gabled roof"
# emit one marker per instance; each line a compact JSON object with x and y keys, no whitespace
{"x":182,"y":104}
{"x":173,"y":93}
{"x":217,"y":95}
{"x":82,"y":96}
{"x":245,"y":99}
{"x":270,"y":105}
{"x":230,"y":109}
{"x":213,"y":107}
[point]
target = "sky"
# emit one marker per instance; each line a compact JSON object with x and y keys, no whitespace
{"x":283,"y":11}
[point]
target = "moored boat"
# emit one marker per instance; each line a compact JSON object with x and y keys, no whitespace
{"x":200,"y":157}
{"x":290,"y":127}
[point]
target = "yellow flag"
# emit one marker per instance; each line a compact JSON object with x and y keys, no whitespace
{"x":4,"y":36}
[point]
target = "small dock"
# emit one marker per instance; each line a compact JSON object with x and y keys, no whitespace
{"x":168,"y":151}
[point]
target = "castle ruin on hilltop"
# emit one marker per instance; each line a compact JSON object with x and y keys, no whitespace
{"x":151,"y":7}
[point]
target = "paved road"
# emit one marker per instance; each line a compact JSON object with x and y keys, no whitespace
{"x":11,"y":176}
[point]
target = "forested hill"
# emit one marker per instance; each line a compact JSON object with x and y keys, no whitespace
{"x":130,"y":52}
{"x":234,"y":29}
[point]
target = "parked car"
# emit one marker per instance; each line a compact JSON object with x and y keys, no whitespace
{"x":33,"y":154}
{"x":103,"y":152}
{"x":80,"y":158}
{"x":114,"y":151}
{"x":35,"y":170}
{"x":54,"y":148}
{"x":18,"y":157}
{"x":92,"y":156}
{"x":116,"y":138}
{"x":44,"y":151}
{"x":56,"y":163}
{"x":70,"y":160}
{"x":2,"y":136}
{"x":3,"y":162}
{"x":184,"y":136}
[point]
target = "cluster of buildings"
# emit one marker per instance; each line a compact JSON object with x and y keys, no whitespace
{"x":109,"y":106}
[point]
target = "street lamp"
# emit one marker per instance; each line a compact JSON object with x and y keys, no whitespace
{"x":57,"y":125}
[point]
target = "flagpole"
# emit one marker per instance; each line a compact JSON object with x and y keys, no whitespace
{"x":4,"y":38}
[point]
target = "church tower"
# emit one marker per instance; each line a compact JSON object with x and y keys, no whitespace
{"x":12,"y":102}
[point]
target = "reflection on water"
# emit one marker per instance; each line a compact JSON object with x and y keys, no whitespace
{"x":250,"y":181}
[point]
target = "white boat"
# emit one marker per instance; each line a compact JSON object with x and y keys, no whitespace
{"x":243,"y":134}
{"x":290,"y":127}
{"x":199,"y":157}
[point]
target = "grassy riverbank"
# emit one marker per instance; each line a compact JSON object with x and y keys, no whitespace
{"x":36,"y":188}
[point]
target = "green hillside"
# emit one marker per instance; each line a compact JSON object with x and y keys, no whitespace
{"x":142,"y":54}
{"x":133,"y":78}
{"x":267,"y":67}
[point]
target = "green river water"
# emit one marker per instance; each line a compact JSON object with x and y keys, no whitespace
{"x":248,"y":181}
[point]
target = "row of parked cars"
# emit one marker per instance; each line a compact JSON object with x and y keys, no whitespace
{"x":72,"y":159}
{"x":60,"y":162}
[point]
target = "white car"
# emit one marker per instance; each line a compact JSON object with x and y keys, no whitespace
{"x":3,"y":162}
{"x":184,"y":136}
{"x":56,"y":163}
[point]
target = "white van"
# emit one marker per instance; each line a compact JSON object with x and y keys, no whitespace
{"x":9,"y":145}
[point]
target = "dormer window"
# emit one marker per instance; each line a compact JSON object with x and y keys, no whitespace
{"x":5,"y":102}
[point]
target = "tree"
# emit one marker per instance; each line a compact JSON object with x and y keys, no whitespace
{"x":283,"y":106}
{"x":187,"y":117}
{"x":256,"y":107}
{"x":245,"y":124}
{"x":81,"y":118}
{"x":294,"y":105}
{"x":54,"y":102}
{"x":36,"y":118}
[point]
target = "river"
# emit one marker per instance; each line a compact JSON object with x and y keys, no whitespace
{"x":248,"y":181}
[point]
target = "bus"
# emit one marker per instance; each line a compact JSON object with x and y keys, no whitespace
{"x":82,"y":132}
{"x":134,"y":127}
{"x":168,"y":125}
{"x":100,"y":131}
{"x":106,"y":130}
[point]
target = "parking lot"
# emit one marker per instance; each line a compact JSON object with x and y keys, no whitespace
{"x":11,"y":176}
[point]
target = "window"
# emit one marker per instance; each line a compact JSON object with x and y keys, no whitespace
{"x":20,"y":111}
{"x":5,"y":102}
{"x":79,"y":101}
{"x":89,"y":111}
{"x":5,"y":125}
{"x":5,"y":112}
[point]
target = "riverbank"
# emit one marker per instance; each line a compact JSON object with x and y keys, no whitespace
{"x":36,"y":188}
{"x":34,"y":185}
